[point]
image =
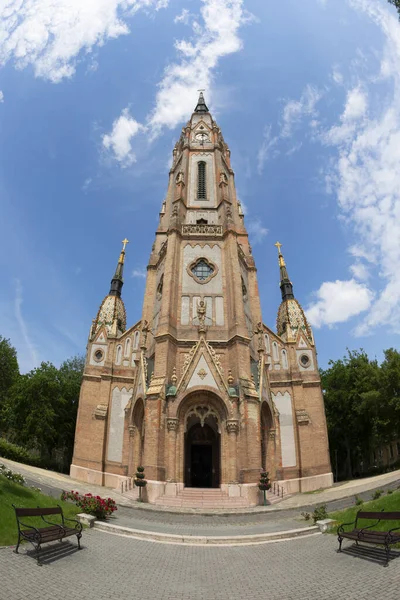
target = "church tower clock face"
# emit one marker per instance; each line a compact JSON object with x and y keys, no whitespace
{"x":199,"y":391}
{"x":202,"y":137}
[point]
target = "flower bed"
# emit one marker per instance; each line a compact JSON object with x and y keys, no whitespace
{"x":11,"y":475}
{"x":101,"y":508}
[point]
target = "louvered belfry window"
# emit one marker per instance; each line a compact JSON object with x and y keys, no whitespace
{"x":201,"y":180}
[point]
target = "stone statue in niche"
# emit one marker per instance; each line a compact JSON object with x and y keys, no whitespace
{"x":260,"y":334}
{"x":145,"y":331}
{"x":223,"y":178}
{"x":179,"y":178}
{"x":201,"y":313}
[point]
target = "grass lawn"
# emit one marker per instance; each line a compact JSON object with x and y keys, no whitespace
{"x":13,"y":493}
{"x":388,"y":503}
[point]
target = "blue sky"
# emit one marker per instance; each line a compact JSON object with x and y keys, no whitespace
{"x":93,"y":97}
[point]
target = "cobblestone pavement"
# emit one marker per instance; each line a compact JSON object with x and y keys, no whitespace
{"x":111,"y":567}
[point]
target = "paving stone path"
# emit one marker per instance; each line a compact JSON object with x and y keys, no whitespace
{"x":111,"y":567}
{"x":129,"y":515}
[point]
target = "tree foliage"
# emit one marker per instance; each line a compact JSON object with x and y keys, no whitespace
{"x":40,"y":407}
{"x":362,"y":403}
{"x":9,"y":370}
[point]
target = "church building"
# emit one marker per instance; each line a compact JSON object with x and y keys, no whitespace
{"x":200,"y":391}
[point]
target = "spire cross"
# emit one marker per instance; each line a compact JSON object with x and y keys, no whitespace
{"x":125,"y":242}
{"x":279,"y":246}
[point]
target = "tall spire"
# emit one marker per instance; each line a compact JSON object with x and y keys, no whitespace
{"x":201,"y":105}
{"x":285,"y":284}
{"x":117,"y":281}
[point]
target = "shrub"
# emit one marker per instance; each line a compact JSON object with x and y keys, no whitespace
{"x":264,"y":483}
{"x":15,"y":477}
{"x":389,"y":491}
{"x":17,"y":453}
{"x":306,"y":516}
{"x":92,"y":505}
{"x":377,"y":494}
{"x":140,"y":480}
{"x":320,"y":513}
{"x":358,"y":500}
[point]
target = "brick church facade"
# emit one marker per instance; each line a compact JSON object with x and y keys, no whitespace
{"x":200,"y":391}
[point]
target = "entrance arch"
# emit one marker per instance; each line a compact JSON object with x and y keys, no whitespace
{"x":202,"y":448}
{"x":268,"y":445}
{"x":136,"y":437}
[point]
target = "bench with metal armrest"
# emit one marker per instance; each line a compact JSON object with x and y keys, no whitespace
{"x":368,"y":534}
{"x":40,"y":535}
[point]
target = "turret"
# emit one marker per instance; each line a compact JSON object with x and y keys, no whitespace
{"x":291,"y":318}
{"x":112,"y":312}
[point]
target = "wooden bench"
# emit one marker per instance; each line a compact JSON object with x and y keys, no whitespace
{"x":54,"y":531}
{"x":367,"y":534}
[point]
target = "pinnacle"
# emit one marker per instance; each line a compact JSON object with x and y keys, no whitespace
{"x":201,"y":105}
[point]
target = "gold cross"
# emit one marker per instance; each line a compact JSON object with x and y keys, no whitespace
{"x":125,"y":242}
{"x":279,"y":246}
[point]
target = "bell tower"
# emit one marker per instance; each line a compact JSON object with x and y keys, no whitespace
{"x":200,"y":411}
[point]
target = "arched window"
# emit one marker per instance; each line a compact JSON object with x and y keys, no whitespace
{"x":284,"y":359}
{"x":127,"y":346}
{"x":160,"y":287}
{"x":266,"y":338}
{"x":275,"y":351}
{"x":119,"y":355}
{"x":201,"y":180}
{"x":136,"y":340}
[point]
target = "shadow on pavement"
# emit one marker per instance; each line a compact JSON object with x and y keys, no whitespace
{"x":53,"y":552}
{"x":370,"y":553}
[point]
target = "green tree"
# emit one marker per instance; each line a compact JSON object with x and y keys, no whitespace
{"x":31,"y":408}
{"x":70,"y":373}
{"x":41,"y":408}
{"x":390,"y":391}
{"x":9,"y":370}
{"x":353,"y":409}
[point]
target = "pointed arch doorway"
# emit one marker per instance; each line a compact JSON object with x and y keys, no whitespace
{"x":267,"y":438}
{"x":202,"y":448}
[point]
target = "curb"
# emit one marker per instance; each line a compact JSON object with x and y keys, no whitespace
{"x":197,"y":540}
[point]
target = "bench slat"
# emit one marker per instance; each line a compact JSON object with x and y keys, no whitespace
{"x":47,"y":536}
{"x":383,"y":516}
{"x":37,"y":512}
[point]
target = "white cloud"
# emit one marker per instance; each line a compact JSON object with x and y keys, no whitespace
{"x":183,"y":17}
{"x":267,"y":149}
{"x":124,"y":129}
{"x":139,"y":273}
{"x":337,"y":75}
{"x":294,"y":110}
{"x":256,"y":231}
{"x":50,"y":35}
{"x":338,"y":301}
{"x":356,"y":105}
{"x":366,"y":175}
{"x":22,"y":325}
{"x":214,"y":36}
{"x":360,"y":271}
{"x":1,"y":96}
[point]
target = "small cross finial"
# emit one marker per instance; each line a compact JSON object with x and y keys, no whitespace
{"x":279,"y":246}
{"x":125,"y":242}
